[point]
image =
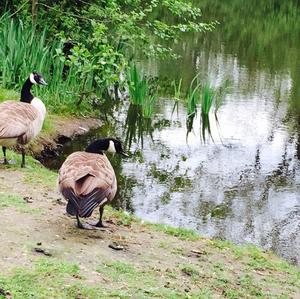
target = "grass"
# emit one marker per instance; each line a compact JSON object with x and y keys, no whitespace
{"x":35,"y":172}
{"x":138,"y":282}
{"x":23,"y":50}
{"x":46,"y":279}
{"x":179,"y":232}
{"x":15,"y":201}
{"x":6,"y":94}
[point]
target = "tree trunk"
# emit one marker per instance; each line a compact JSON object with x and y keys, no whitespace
{"x":34,"y":10}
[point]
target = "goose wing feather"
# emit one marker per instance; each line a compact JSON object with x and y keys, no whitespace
{"x":86,"y":180}
{"x":16,"y":119}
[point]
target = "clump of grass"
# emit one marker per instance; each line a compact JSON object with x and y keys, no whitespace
{"x":206,"y":104}
{"x":179,"y":232}
{"x":138,"y":85}
{"x":142,"y":90}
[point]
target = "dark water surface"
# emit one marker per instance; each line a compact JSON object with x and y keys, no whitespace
{"x":242,"y":183}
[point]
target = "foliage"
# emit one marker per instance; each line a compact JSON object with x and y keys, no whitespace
{"x":134,"y":22}
{"x":23,"y":50}
{"x":83,"y":47}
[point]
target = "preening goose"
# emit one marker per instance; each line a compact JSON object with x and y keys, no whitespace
{"x":87,"y":179}
{"x":20,"y":122}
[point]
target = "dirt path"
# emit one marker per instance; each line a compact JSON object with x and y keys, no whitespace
{"x":150,"y":264}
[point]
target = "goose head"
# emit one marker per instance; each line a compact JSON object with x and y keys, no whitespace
{"x":106,"y":144}
{"x":37,"y":78}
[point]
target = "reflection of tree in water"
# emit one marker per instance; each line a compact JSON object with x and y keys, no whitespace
{"x":279,"y":178}
{"x":285,"y":236}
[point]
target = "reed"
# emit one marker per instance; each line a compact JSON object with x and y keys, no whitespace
{"x":24,"y":49}
{"x":142,"y":90}
{"x":148,"y":105}
{"x":136,"y":126}
{"x":207,"y":99}
{"x":220,"y":94}
{"x":138,"y":85}
{"x":193,"y":96}
{"x":177,"y":94}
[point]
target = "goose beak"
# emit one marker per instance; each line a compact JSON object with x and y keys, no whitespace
{"x":43,"y":82}
{"x":123,"y":154}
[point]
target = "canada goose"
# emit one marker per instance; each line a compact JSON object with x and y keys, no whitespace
{"x":87,"y":179}
{"x":20,"y":122}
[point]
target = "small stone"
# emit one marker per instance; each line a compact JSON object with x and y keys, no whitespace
{"x":116,"y":246}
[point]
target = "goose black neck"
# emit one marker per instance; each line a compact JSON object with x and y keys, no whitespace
{"x":98,"y":146}
{"x":26,"y":95}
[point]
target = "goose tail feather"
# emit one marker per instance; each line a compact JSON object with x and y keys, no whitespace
{"x":85,"y":204}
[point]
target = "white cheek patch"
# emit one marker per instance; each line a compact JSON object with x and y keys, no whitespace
{"x":39,"y":105}
{"x":31,"y":78}
{"x":111,"y":147}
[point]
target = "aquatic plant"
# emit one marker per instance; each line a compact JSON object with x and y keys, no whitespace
{"x":193,"y":96}
{"x":142,"y":90}
{"x":137,"y":84}
{"x":207,"y":99}
{"x":148,"y":105}
{"x":192,"y":100}
{"x":136,"y":126}
{"x":208,"y":95}
{"x":220,"y":94}
{"x":177,"y":94}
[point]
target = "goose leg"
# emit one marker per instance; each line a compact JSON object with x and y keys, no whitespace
{"x":100,"y":223}
{"x":23,"y":158}
{"x":79,"y":224}
{"x":83,"y":225}
{"x":4,"y":154}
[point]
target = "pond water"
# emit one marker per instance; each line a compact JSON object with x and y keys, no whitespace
{"x":241,"y":181}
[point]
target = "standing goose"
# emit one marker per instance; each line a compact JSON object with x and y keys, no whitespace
{"x":87,"y":179}
{"x":20,"y":122}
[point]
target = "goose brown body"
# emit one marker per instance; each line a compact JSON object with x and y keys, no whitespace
{"x":87,"y":180}
{"x":19,"y":122}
